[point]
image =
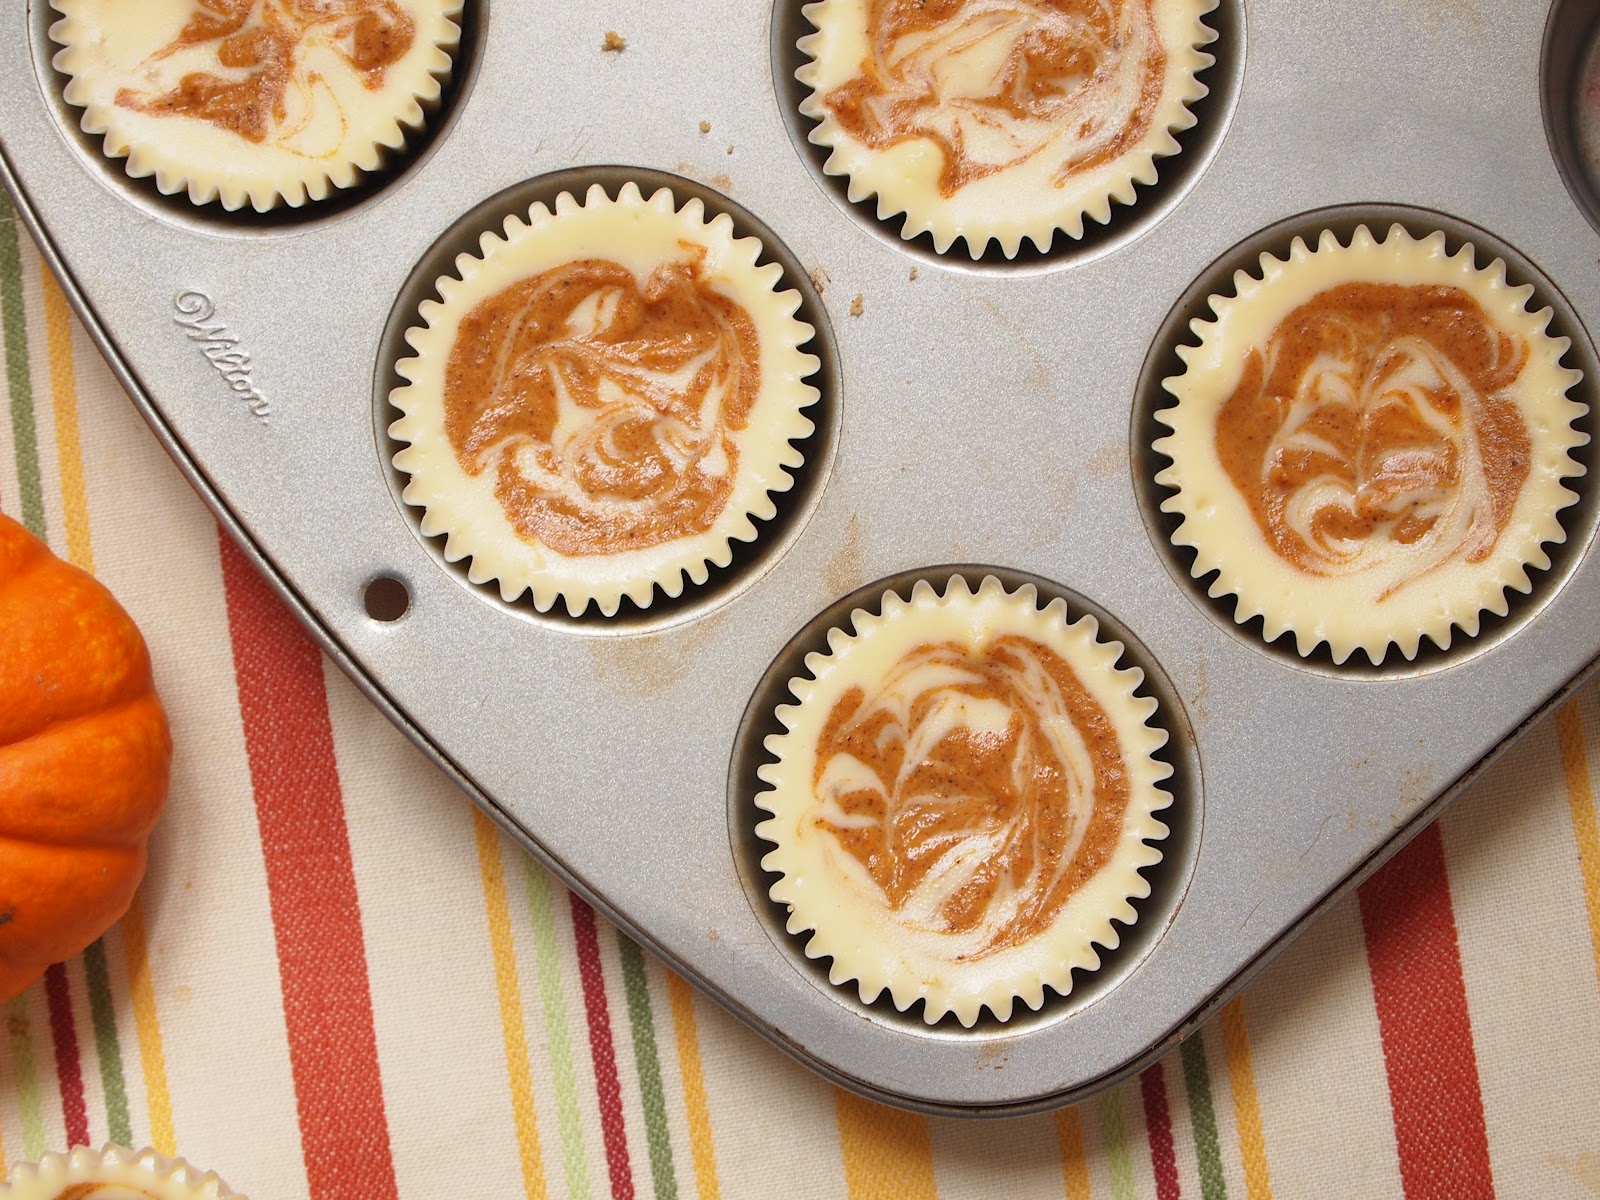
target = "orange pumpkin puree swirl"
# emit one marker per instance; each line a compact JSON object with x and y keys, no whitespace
{"x":607,"y":410}
{"x":1380,"y":418}
{"x":978,"y":788}
{"x":264,"y":39}
{"x":1090,"y":68}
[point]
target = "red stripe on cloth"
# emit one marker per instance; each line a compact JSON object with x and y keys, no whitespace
{"x":69,"y":1065}
{"x":1158,"y":1131}
{"x":316,"y":915}
{"x":602,"y":1051}
{"x":1421,"y":996}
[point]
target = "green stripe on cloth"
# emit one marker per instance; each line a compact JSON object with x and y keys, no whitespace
{"x":75,"y":513}
{"x":19,"y":1032}
{"x":1203,"y":1117}
{"x":648,"y":1065}
{"x":1114,"y":1131}
{"x":25,"y":439}
{"x":548,"y":962}
{"x":107,"y":1048}
{"x":14,"y":329}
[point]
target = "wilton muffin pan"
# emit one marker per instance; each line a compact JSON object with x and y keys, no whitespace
{"x":975,"y":417}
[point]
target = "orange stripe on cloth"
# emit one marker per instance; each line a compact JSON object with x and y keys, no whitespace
{"x":887,"y":1153}
{"x":316,"y":912}
{"x":1074,"y":1162}
{"x":513,"y":1031}
{"x":1426,"y":1029}
{"x":1246,"y":1105}
{"x":696,"y":1111}
{"x":1580,"y":798}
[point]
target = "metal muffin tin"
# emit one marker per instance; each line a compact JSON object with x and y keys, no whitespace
{"x":982,"y":416}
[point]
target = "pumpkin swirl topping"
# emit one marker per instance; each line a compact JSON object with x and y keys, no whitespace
{"x":993,"y":83}
{"x":260,"y":47}
{"x":979,"y":788}
{"x":1378,"y":424}
{"x":606,"y":409}
{"x":963,"y":799}
{"x":1371,"y":443}
{"x":605,"y":401}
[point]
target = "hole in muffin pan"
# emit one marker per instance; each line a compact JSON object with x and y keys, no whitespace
{"x":774,"y":536}
{"x":1176,"y":174}
{"x":212,"y":217}
{"x":1168,"y":879}
{"x":1569,"y":85}
{"x":386,"y":599}
{"x":1579,"y":519}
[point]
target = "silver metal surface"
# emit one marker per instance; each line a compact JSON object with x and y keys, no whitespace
{"x":983,"y":416}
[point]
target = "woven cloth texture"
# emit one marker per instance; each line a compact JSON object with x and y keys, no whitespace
{"x":339,"y":981}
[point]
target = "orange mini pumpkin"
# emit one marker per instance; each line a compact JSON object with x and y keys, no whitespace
{"x":84,"y":758}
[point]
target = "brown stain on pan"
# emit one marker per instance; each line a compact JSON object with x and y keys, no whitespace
{"x":846,"y":570}
{"x":653,"y":663}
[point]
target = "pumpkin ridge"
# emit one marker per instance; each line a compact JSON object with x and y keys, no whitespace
{"x":89,"y":632}
{"x":13,"y":849}
{"x":85,"y":758}
{"x":55,"y":907}
{"x":18,"y":569}
{"x":20,"y":552}
{"x":42,"y":777}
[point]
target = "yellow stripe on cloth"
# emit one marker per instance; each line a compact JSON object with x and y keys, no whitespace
{"x":1074,"y":1163}
{"x":512,"y":1030}
{"x":1580,"y":798}
{"x":1246,"y":1107}
{"x":69,"y":449}
{"x":75,"y":511}
{"x":152,"y":1056}
{"x":696,"y":1110}
{"x":887,"y":1154}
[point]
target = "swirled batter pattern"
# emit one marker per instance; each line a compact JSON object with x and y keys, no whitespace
{"x":978,"y":788}
{"x":260,"y":47}
{"x":1378,"y":425}
{"x":605,"y":409}
{"x":994,"y":83}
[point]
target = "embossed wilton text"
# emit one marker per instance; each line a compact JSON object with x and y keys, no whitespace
{"x":192,"y":311}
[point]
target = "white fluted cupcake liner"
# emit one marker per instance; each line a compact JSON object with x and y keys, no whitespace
{"x":137,"y":69}
{"x":487,"y":500}
{"x":1458,"y":548}
{"x":962,"y":887}
{"x":112,"y":1173}
{"x":1079,"y":144}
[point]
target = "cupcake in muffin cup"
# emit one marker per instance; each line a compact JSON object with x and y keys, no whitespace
{"x":112,"y":1173}
{"x":603,"y":400}
{"x":1001,"y":120}
{"x":1371,"y":444}
{"x":262,"y":102}
{"x":963,"y":800}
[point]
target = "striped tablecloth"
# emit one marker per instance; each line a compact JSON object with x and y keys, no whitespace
{"x":339,"y":981}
